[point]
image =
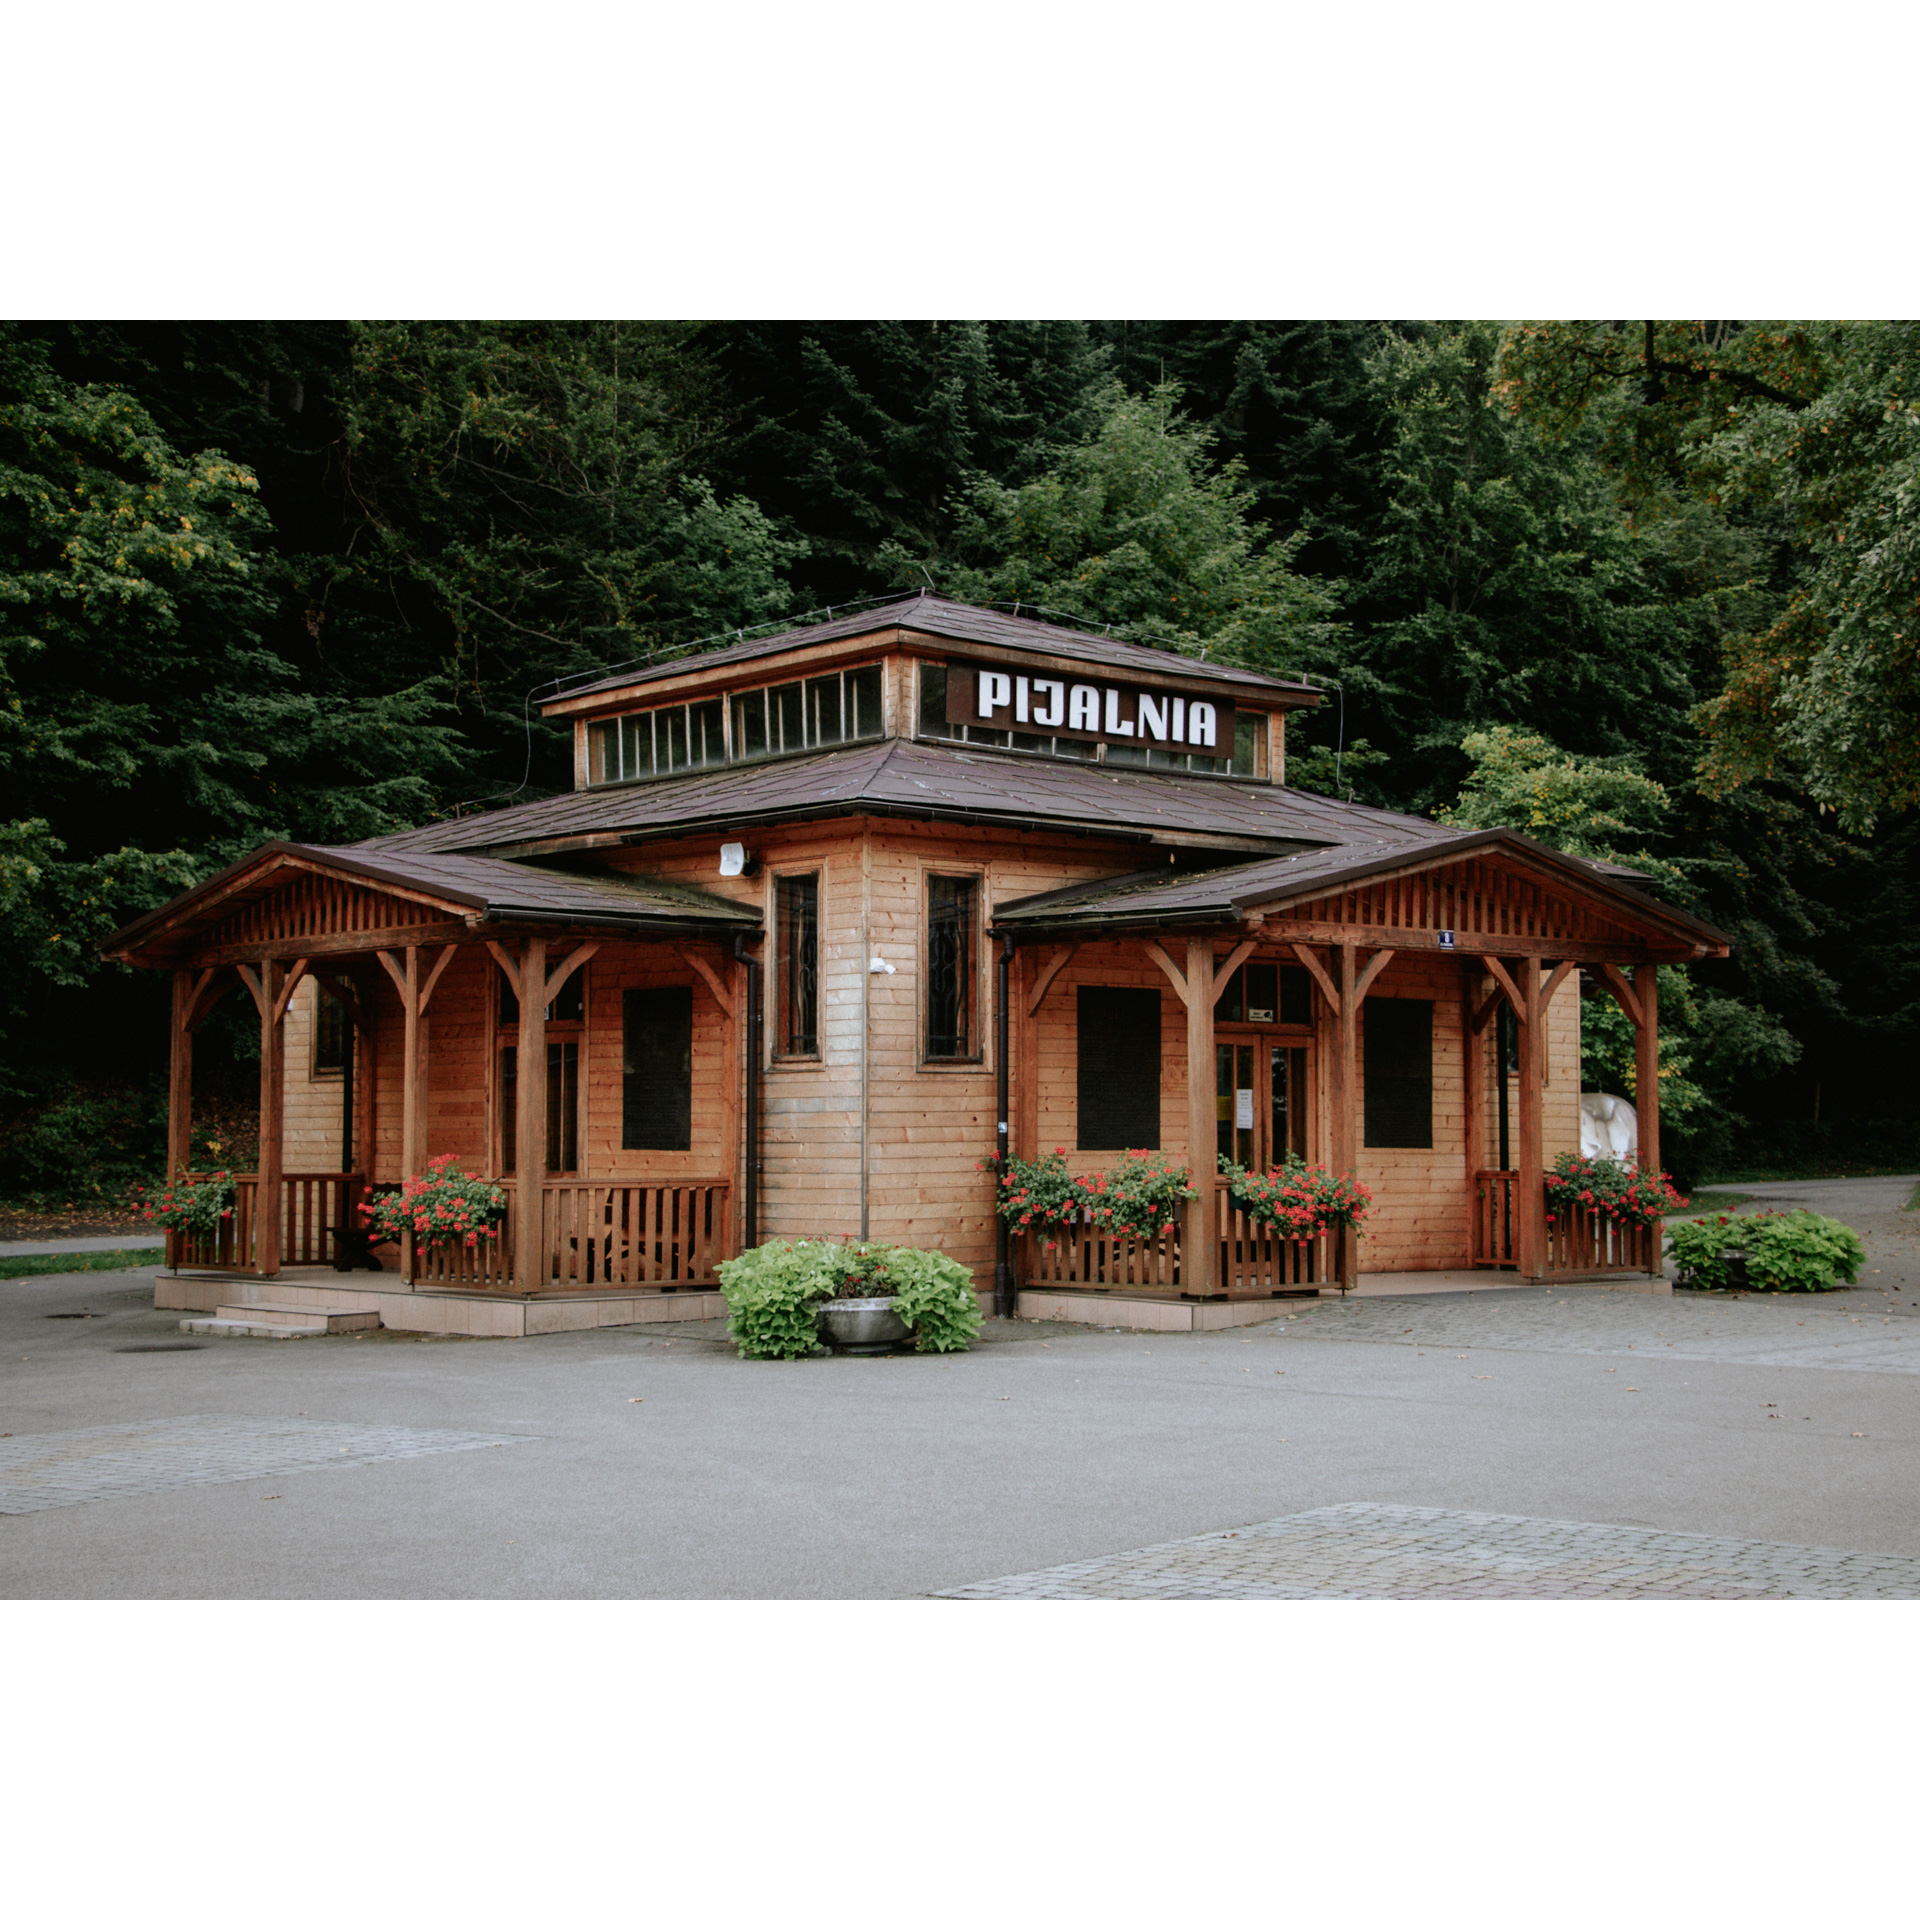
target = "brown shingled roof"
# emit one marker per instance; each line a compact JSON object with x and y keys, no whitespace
{"x":942,"y":619}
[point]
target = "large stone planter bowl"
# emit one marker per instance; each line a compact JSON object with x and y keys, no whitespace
{"x":860,"y":1326}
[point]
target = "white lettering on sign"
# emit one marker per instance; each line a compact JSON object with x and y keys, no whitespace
{"x":979,"y":698}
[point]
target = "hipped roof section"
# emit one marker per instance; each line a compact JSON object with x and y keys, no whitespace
{"x":919,"y":779}
{"x":473,"y":890}
{"x":1227,"y":896}
{"x":941,"y":619}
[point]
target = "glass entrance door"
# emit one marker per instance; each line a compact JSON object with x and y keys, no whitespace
{"x":1261,"y":1098}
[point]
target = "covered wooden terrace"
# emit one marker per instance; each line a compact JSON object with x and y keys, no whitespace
{"x":1476,"y":922}
{"x":378,"y":932}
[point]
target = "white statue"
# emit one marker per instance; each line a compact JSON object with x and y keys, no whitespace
{"x":1609,"y":1127}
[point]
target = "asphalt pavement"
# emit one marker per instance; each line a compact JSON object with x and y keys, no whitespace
{"x":653,"y":1462}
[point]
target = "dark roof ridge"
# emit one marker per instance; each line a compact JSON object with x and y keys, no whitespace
{"x":938,"y":617}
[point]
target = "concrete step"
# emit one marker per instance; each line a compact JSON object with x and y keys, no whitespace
{"x":354,"y":1319}
{"x":253,"y":1329}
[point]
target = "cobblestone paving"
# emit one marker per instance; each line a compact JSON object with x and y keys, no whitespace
{"x":1367,"y":1551}
{"x":39,"y":1471}
{"x":1781,"y":1333}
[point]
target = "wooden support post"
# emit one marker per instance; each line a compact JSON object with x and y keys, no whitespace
{"x":1474,"y":1125}
{"x":180,"y":1079}
{"x":267,"y":1193}
{"x":1530,"y":1199}
{"x":530,"y":1118}
{"x":1646,"y":1093}
{"x":1026,"y":1054}
{"x":1646,"y":1065}
{"x":413,"y":1133}
{"x":1199,"y":1244}
{"x":1346,"y":1105}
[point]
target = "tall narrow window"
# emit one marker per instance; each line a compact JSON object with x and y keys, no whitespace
{"x":1117,"y":1093}
{"x":1398,"y":1037}
{"x":566,"y":1023}
{"x":952,"y":915}
{"x":656,"y":1085}
{"x":330,"y":1036}
{"x":796,"y":1030}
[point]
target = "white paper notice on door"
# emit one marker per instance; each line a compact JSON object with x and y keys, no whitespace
{"x":1243,"y":1109}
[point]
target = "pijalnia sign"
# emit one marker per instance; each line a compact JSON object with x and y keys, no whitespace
{"x":1088,"y":710}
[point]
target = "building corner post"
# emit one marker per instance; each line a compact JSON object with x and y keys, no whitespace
{"x":530,"y":1119}
{"x":1004,"y":1301}
{"x":1199,"y":1248}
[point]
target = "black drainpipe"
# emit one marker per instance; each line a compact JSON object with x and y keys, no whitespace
{"x":750,"y":1200}
{"x":1003,"y":1292}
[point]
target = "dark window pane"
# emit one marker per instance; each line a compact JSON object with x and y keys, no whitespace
{"x":797,"y":965}
{"x":864,"y":721}
{"x":656,"y":1088}
{"x":750,"y":724}
{"x":509,"y":1107}
{"x":1232,"y":1004}
{"x":1245,"y":727}
{"x":950,"y":967}
{"x":330,"y":1034}
{"x":785,"y":707}
{"x":823,"y":710}
{"x":670,"y":740}
{"x":1398,"y":1037}
{"x":1119,"y":755}
{"x":1263,"y":994}
{"x":563,"y":1106}
{"x":1289,"y":1103}
{"x":603,"y":751}
{"x":1296,"y":997}
{"x":636,"y":746}
{"x":933,"y":704}
{"x":1118,"y":1044}
{"x":709,"y":734}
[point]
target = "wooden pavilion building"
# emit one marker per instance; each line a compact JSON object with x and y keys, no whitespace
{"x":832,"y":912}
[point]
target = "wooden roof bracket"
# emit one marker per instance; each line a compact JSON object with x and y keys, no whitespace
{"x":1173,"y":970}
{"x":1621,"y":988}
{"x":1308,"y":959}
{"x":1224,"y":970}
{"x":1507,"y":986}
{"x":687,"y":955}
{"x":1048,"y":974}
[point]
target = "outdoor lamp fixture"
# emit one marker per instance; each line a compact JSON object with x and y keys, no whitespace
{"x":735,"y":860}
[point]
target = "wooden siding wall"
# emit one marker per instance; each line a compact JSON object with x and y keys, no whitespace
{"x":927,"y":1125}
{"x":311,"y":1106}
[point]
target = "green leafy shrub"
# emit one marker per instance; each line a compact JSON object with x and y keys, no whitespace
{"x":771,"y":1292}
{"x":1798,"y":1252}
{"x":935,"y":1296}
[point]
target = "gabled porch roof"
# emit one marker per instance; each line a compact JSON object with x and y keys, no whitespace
{"x":467,"y":890}
{"x":1286,"y":886}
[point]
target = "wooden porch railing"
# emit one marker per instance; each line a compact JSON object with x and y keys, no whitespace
{"x":1253,"y":1262}
{"x":1495,"y":1243}
{"x":600,"y":1236}
{"x":309,"y":1212}
{"x":1581,"y":1240}
{"x":1102,"y":1261}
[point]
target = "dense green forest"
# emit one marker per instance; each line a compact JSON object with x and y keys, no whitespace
{"x":1642,"y":589}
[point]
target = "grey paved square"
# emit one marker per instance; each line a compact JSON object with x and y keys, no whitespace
{"x":1364,"y":1550}
{"x":39,"y":1471}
